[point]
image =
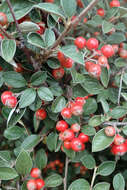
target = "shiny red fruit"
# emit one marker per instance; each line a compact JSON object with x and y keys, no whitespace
{"x":101,"y":12}
{"x":61,"y":126}
{"x":80,"y":42}
{"x":84,"y":138}
{"x":88,"y":64}
{"x":49,"y":1}
{"x":123,"y":53}
{"x":76,"y":109}
{"x":85,"y":20}
{"x":31,"y":184}
{"x":5,"y":95}
{"x":3,"y":19}
{"x":19,"y":68}
{"x":114,"y":3}
{"x":42,"y":28}
{"x":95,"y":70}
{"x":11,"y":102}
{"x":107,"y":50}
{"x":40,"y":183}
{"x":75,"y":127}
{"x":80,"y":4}
{"x":92,"y":43}
{"x":110,"y":131}
{"x":66,"y":113}
{"x":35,"y":172}
{"x":118,"y":139}
{"x":119,"y":149}
{"x":1,"y":37}
{"x":58,"y":73}
{"x":103,"y":61}
{"x":41,"y":114}
{"x":67,"y":144}
{"x":68,"y":63}
{"x":80,"y":100}
{"x":61,"y":57}
{"x":77,"y":145}
{"x":68,"y":134}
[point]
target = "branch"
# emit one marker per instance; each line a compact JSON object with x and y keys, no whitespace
{"x":5,"y":33}
{"x":115,"y":123}
{"x":66,"y":173}
{"x":120,"y":88}
{"x":69,"y":27}
{"x":93,"y":178}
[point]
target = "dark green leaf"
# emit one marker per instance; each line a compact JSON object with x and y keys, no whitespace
{"x":107,"y":26}
{"x":118,"y":112}
{"x":88,"y":130}
{"x":30,"y":142}
{"x":118,"y":182}
{"x":95,"y":120}
{"x":88,"y":161}
{"x":36,"y":40}
{"x":45,"y":94}
{"x":90,"y":106}
{"x":38,"y":78}
{"x":49,"y":38}
{"x":41,"y":159}
{"x":69,"y":7}
{"x":105,"y":76}
{"x":79,"y":184}
{"x":58,"y":104}
{"x":13,"y":133}
{"x":7,"y":173}
{"x":51,"y":141}
{"x":53,"y":181}
{"x":116,"y":37}
{"x":106,"y":168}
{"x":28,"y":26}
{"x":16,"y":117}
{"x":102,"y":185}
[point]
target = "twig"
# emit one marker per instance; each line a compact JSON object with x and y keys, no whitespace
{"x":115,"y":123}
{"x":93,"y":178}
{"x":5,"y":33}
{"x":120,"y":88}
{"x":69,"y":26}
{"x":66,"y":173}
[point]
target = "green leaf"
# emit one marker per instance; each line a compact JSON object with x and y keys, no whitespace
{"x":95,"y":120}
{"x":45,"y":94}
{"x":53,"y":63}
{"x":125,"y":130}
{"x":16,"y":117}
{"x":7,"y":173}
{"x":13,"y":133}
{"x":120,"y":62}
{"x":88,"y":161}
{"x":36,"y":40}
{"x":41,"y":159}
{"x":124,"y":95}
{"x":50,"y":8}
{"x":20,"y":8}
{"x":69,"y":152}
{"x":70,"y":51}
{"x":92,"y":85}
{"x":102,"y":185}
{"x":27,"y":26}
{"x":23,"y":163}
{"x":104,"y":105}
{"x":53,"y":181}
{"x":27,"y":97}
{"x":88,"y":130}
{"x":116,"y":37}
{"x":105,"y":76}
{"x":90,"y":106}
{"x":118,"y":112}
{"x":77,"y":77}
{"x":38,"y":78}
{"x":30,"y":142}
{"x":58,"y":104}
{"x":79,"y":184}
{"x":69,"y":7}
{"x":51,"y":141}
{"x":14,"y":79}
{"x":8,"y":48}
{"x":107,"y":27}
{"x":49,"y":38}
{"x":118,"y":182}
{"x":106,"y":168}
{"x":101,"y":141}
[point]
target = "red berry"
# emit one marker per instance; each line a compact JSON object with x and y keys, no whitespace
{"x":107,"y":50}
{"x":92,"y":43}
{"x":68,"y":134}
{"x":80,"y":42}
{"x":80,"y":100}
{"x":5,"y":95}
{"x":119,"y":149}
{"x":114,"y":3}
{"x":80,"y":4}
{"x":61,"y":57}
{"x":115,"y":47}
{"x":31,"y":184}
{"x":85,"y":20}
{"x":42,"y":28}
{"x":40,"y":183}
{"x":77,"y":145}
{"x":101,"y":12}
{"x":66,"y":113}
{"x":61,"y":126}
{"x":84,"y":138}
{"x":88,"y":64}
{"x":67,"y":144}
{"x":68,"y":63}
{"x":75,"y":127}
{"x":35,"y":172}
{"x":86,"y":97}
{"x":41,"y":114}
{"x":11,"y":102}
{"x":103,"y":61}
{"x":3,"y":19}
{"x":118,"y":139}
{"x":19,"y":68}
{"x":58,"y":73}
{"x":110,"y":131}
{"x":1,"y":37}
{"x":123,"y":53}
{"x":76,"y":109}
{"x":49,"y":1}
{"x":95,"y":70}
{"x":1,"y":69}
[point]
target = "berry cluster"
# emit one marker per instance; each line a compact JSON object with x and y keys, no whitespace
{"x":83,"y":169}
{"x":119,"y":145}
{"x":55,"y":165}
{"x":8,"y":99}
{"x":37,"y":183}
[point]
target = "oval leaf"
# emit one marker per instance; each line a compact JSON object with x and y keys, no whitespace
{"x":118,"y":182}
{"x":79,"y":184}
{"x":45,"y":94}
{"x":58,"y":104}
{"x":103,"y":185}
{"x":36,"y":40}
{"x":13,"y":133}
{"x":7,"y":173}
{"x":53,"y":181}
{"x":41,"y":159}
{"x":30,"y":142}
{"x":106,"y":168}
{"x":69,"y":7}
